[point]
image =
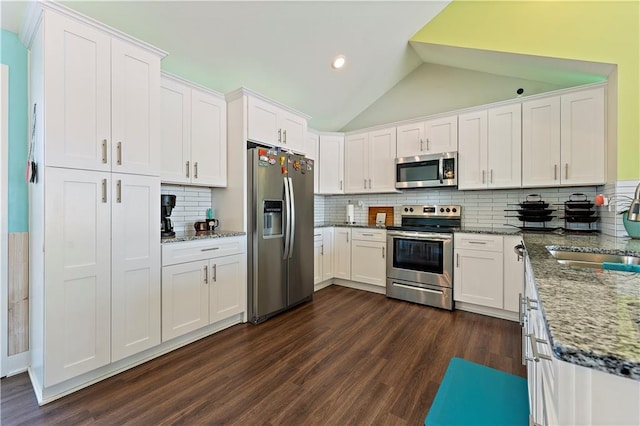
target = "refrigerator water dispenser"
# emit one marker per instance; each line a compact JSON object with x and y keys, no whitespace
{"x":272,"y":214}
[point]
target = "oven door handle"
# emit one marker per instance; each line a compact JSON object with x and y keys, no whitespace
{"x":421,"y":236}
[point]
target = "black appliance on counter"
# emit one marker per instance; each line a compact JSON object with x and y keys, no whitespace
{"x":420,"y":260}
{"x":167,"y":203}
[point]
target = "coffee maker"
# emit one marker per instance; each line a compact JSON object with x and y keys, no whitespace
{"x":167,"y":203}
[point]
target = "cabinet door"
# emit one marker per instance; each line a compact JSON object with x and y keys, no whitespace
{"x":312,"y":151}
{"x":504,"y":159}
{"x":478,"y":278}
{"x":411,"y":140}
{"x":77,"y":300}
{"x":342,"y":253}
{"x":135,"y":109}
{"x":441,"y":135}
{"x":185,"y":298}
{"x":175,"y":132}
{"x":368,"y":264}
{"x":208,"y":139}
{"x":294,"y":131}
{"x":472,"y":150}
{"x":541,"y":142}
{"x":135,"y":259}
{"x":513,"y":274}
{"x":227,"y":282}
{"x":263,"y":122}
{"x":77,"y":80}
{"x":356,"y":163}
{"x":382,"y":153}
{"x":331,"y":164}
{"x":327,"y":253}
{"x":582,"y":138}
{"x":317,"y":258}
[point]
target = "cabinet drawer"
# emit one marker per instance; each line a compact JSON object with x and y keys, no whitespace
{"x":478,"y":242}
{"x":189,"y":251}
{"x":368,"y":234}
{"x":317,"y":234}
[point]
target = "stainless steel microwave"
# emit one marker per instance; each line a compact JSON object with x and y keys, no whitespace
{"x":422,"y":171}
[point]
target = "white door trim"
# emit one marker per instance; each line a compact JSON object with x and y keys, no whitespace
{"x":4,"y":255}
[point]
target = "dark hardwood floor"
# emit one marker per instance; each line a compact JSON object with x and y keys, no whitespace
{"x":348,"y":357}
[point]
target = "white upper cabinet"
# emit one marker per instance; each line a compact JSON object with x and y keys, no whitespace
{"x":541,"y":142}
{"x":193,"y":135}
{"x":369,"y":161}
{"x":330,"y":164}
{"x":77,"y":79}
{"x":489,"y":148}
{"x":102,"y":101}
{"x":428,"y":137}
{"x":582,"y":136}
{"x":312,"y":150}
{"x":563,"y":139}
{"x":270,"y":124}
{"x":135,"y":109}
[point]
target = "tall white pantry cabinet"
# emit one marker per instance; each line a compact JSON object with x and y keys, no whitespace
{"x":94,"y":209}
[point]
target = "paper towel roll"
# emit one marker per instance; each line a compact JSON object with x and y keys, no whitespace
{"x":351,"y":216}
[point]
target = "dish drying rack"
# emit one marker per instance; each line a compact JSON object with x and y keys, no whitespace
{"x":534,"y":213}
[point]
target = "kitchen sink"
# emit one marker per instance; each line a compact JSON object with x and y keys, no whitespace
{"x":594,"y":260}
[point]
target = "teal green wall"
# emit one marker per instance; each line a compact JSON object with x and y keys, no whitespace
{"x":14,"y":55}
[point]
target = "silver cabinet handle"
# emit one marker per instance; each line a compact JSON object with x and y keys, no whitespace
{"x":187,"y":168}
{"x":537,"y":356}
{"x":555,"y":172}
{"x":383,"y":252}
{"x":340,"y":184}
{"x":530,"y":306}
{"x":104,"y":151}
{"x":206,"y":274}
{"x":119,"y":149}
{"x":367,"y":235}
{"x":215,"y":273}
{"x":477,"y":242}
{"x":369,"y":183}
{"x":195,"y":170}
{"x":427,"y":144}
{"x":491,"y":176}
{"x":421,"y":143}
{"x":279,"y":135}
{"x":321,"y":249}
{"x":365,"y":184}
{"x":119,"y":191}
{"x":104,"y":190}
{"x":520,"y":318}
{"x":347,"y":237}
{"x":523,"y":345}
{"x":209,"y":249}
{"x":483,"y":176}
{"x":566,"y":170}
{"x":284,"y":136}
{"x":457,"y":260}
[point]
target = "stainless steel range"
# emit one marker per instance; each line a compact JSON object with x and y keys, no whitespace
{"x":420,"y":261}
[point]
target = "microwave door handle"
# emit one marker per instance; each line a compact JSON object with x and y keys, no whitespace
{"x":441,"y":169}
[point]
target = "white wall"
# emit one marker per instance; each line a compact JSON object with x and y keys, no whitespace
{"x":432,"y":89}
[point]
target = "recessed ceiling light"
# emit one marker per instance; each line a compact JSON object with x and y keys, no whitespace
{"x":338,"y":62}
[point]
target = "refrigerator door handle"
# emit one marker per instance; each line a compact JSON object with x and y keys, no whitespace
{"x":287,"y":225}
{"x":293,"y":217}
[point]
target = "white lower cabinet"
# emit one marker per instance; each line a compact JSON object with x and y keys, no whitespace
{"x":368,"y":263}
{"x":203,"y":282}
{"x":488,"y":276}
{"x":322,"y":255}
{"x":342,"y":253}
{"x":317,"y":257}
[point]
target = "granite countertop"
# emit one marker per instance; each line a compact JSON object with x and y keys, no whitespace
{"x":346,"y":225}
{"x":192,"y":235}
{"x":495,"y":230}
{"x":592,"y":315}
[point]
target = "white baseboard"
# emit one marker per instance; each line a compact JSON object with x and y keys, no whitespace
{"x":360,"y":286}
{"x":484,"y":310}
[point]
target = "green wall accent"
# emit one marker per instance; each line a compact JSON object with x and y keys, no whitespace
{"x":596,"y":31}
{"x":14,"y":55}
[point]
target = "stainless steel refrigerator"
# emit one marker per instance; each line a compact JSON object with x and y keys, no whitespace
{"x":280,"y":225}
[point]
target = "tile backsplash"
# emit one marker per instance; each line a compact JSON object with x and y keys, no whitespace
{"x":192,"y":203}
{"x":482,"y":208}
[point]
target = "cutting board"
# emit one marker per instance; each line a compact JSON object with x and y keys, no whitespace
{"x":373,"y":211}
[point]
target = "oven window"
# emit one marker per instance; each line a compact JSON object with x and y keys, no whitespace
{"x":417,"y":172}
{"x":418,"y":255}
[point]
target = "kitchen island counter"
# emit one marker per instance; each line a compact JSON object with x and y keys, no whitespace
{"x":592,"y":315}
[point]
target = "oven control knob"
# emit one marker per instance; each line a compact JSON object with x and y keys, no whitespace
{"x":441,"y":210}
{"x":454,"y":210}
{"x":406,"y":209}
{"x":411,"y":209}
{"x":448,"y":209}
